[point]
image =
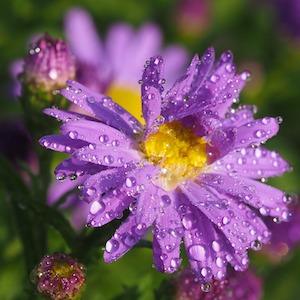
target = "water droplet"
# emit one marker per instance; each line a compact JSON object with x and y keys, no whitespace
{"x":61,"y":176}
{"x":216,"y":246}
{"x":279,"y":120}
{"x":103,"y":138}
{"x":130,"y":240}
{"x":130,"y":182}
{"x":188,"y":221}
{"x":175,"y":262}
{"x":108,"y":159}
{"x":97,"y":207}
{"x":115,"y":143}
{"x":205,"y":287}
{"x":73,"y":135}
{"x":165,"y":201}
{"x":91,"y":191}
{"x":198,"y":252}
{"x":112,"y":246}
{"x":256,"y":245}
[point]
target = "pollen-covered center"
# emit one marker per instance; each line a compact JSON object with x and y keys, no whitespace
{"x":179,"y":152}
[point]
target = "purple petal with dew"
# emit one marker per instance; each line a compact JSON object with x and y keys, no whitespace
{"x":98,"y":133}
{"x":220,"y":143}
{"x":73,"y":168}
{"x":256,"y":132}
{"x":239,"y":117}
{"x":107,"y":208}
{"x":151,"y":91}
{"x":208,"y":249}
{"x":67,"y":116}
{"x":229,"y":94}
{"x":98,"y":184}
{"x":241,"y":225}
{"x":107,"y":155}
{"x":267,"y":199}
{"x":168,"y":233}
{"x":102,"y":107}
{"x":146,"y":207}
{"x":177,"y":96}
{"x":139,"y":179}
{"x":58,"y":189}
{"x":62,"y":143}
{"x":254,"y":163}
{"x":125,"y":237}
{"x":175,"y":59}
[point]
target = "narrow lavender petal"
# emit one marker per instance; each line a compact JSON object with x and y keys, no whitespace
{"x":229,"y":94}
{"x":253,"y":163}
{"x":205,"y":248}
{"x":241,"y":225}
{"x":256,"y":132}
{"x":98,"y":184}
{"x":239,"y":117}
{"x":67,"y":116}
{"x":176,"y":59}
{"x":61,"y":143}
{"x":151,"y":91}
{"x":168,"y":233}
{"x":102,"y":107}
{"x":98,"y":133}
{"x":125,"y":237}
{"x":71,"y":167}
{"x":175,"y":98}
{"x":88,"y":48}
{"x":118,"y":39}
{"x":267,"y":199}
{"x":138,"y":179}
{"x":58,"y":188}
{"x":107,"y":208}
{"x":107,"y":155}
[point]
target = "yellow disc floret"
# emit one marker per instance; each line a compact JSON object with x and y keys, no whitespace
{"x":179,"y":152}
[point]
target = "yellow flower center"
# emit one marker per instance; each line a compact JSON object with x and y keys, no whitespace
{"x":128,"y":98}
{"x":180,"y":153}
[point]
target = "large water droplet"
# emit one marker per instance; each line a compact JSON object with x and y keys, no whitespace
{"x":130,"y":182}
{"x":97,"y":207}
{"x":188,"y":221}
{"x":112,"y":246}
{"x":198,"y":252}
{"x":205,"y":287}
{"x":103,"y":138}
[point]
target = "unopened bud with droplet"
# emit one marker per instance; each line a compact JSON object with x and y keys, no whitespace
{"x":59,"y":276}
{"x":49,"y":64}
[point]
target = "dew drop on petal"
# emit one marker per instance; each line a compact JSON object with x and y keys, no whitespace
{"x":130,"y":182}
{"x":198,"y":252}
{"x":205,"y":287}
{"x":97,"y":207}
{"x":103,"y":138}
{"x":112,"y":246}
{"x":108,"y":159}
{"x":256,"y":245}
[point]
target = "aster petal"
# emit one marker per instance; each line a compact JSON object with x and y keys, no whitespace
{"x":252,"y":163}
{"x":239,"y":117}
{"x":67,"y":116}
{"x":168,"y":232}
{"x":151,"y":91}
{"x":239,"y":223}
{"x":61,"y":143}
{"x":108,"y":207}
{"x":95,"y":133}
{"x":267,"y":199}
{"x":73,"y":168}
{"x":88,"y":48}
{"x":107,"y":155}
{"x":125,"y":237}
{"x":256,"y":132}
{"x":102,"y":107}
{"x":98,"y":184}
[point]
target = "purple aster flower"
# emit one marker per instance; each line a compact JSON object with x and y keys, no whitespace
{"x":59,"y":277}
{"x":237,"y":286}
{"x":192,"y":172}
{"x":49,"y":64}
{"x":116,"y":62}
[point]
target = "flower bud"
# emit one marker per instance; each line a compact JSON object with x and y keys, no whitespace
{"x":59,"y":276}
{"x":49,"y":64}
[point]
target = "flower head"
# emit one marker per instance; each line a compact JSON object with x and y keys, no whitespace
{"x":191,"y":172}
{"x":49,"y":64}
{"x":59,"y":276}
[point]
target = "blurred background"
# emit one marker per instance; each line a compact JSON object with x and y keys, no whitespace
{"x":264,"y":36}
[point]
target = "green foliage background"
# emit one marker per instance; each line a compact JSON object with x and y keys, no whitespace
{"x":251,"y":30}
